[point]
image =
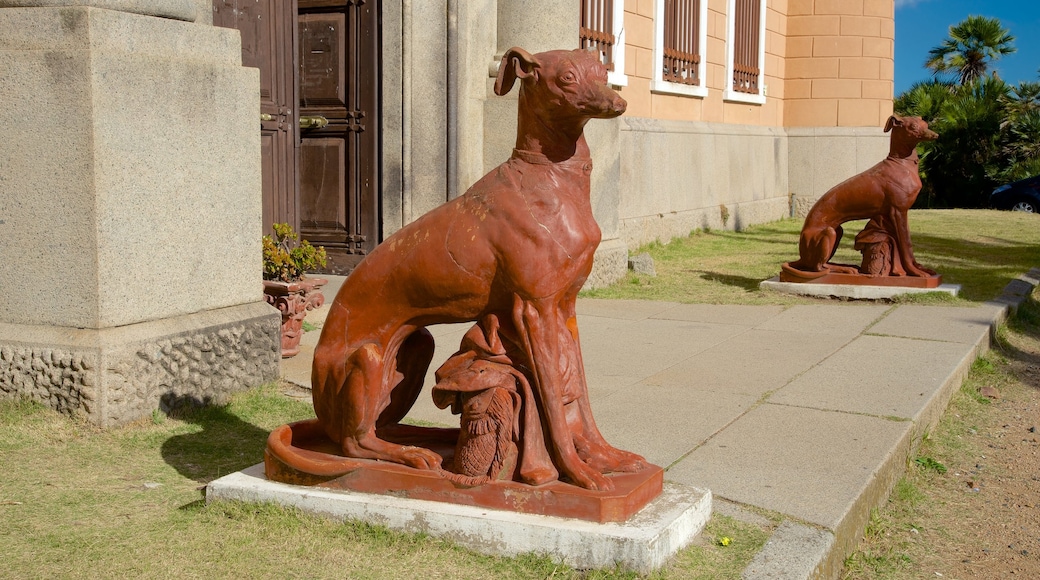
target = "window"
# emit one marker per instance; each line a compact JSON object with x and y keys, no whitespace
{"x":679,"y":47}
{"x":602,"y":30}
{"x":746,"y":51}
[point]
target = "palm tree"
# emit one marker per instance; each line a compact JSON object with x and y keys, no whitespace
{"x":961,"y":166}
{"x":1020,"y":133}
{"x":1024,"y":99}
{"x":972,"y":44}
{"x":924,"y":99}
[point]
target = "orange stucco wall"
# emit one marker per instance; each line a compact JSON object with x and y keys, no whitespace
{"x":839,"y":62}
{"x":828,"y":63}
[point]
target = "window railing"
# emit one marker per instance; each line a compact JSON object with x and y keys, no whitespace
{"x":747,"y":72}
{"x":597,"y":29}
{"x":681,"y":51}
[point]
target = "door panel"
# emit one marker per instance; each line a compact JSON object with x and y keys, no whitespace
{"x":320,"y":163}
{"x":323,"y":81}
{"x":339,"y":163}
{"x":267,"y":43}
{"x":323,"y":181}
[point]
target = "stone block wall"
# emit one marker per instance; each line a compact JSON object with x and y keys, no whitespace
{"x":822,"y":157}
{"x":840,"y":63}
{"x":677,"y":176}
{"x":131,"y":167}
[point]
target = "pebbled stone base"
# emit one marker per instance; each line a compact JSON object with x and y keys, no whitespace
{"x":117,"y":375}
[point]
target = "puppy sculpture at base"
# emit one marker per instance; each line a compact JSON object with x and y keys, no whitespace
{"x":882,"y":194}
{"x":510,"y":255}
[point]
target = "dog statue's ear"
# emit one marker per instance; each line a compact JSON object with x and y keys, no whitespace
{"x":516,"y":63}
{"x":893,"y":121}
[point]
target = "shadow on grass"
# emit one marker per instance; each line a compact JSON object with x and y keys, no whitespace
{"x":982,"y":268}
{"x":224,"y":444}
{"x":744,"y":282}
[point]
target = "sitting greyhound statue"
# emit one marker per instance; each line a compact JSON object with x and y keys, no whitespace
{"x":882,"y":194}
{"x":510,"y":255}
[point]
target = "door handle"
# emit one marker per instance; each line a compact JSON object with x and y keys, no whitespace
{"x":266,"y":117}
{"x":313,"y":121}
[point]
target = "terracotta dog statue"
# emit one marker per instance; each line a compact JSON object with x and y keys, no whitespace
{"x":883,"y":194}
{"x":516,"y":247}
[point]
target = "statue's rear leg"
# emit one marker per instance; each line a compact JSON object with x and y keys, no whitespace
{"x":815,"y":247}
{"x":362,"y":399}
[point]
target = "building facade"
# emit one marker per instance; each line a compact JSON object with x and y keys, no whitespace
{"x":748,"y":109}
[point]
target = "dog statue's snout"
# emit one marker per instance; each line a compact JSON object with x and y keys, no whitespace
{"x":608,"y":102}
{"x":619,"y":105}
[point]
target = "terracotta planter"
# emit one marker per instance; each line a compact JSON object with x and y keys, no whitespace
{"x":293,"y":300}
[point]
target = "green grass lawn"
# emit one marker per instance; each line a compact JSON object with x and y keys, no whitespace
{"x":982,"y":250}
{"x":79,"y":502}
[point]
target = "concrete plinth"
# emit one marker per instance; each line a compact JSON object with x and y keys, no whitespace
{"x":131,"y":221}
{"x":643,"y":543}
{"x":853,"y":291}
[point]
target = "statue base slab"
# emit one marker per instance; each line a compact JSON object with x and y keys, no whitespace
{"x":301,"y":454}
{"x":643,"y":543}
{"x":851,"y":291}
{"x":789,"y":274}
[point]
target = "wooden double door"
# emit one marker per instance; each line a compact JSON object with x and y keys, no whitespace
{"x":319,"y":116}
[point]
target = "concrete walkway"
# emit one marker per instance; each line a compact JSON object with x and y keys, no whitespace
{"x":808,"y":411}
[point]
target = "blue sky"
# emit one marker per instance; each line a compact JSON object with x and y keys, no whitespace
{"x":924,"y":24}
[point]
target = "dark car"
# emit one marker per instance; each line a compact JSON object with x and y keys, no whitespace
{"x":1021,"y":195}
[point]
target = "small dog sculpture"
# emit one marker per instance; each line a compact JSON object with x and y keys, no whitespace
{"x":884,"y":194}
{"x":515,"y":249}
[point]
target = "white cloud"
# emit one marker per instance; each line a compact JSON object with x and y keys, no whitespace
{"x":908,"y":3}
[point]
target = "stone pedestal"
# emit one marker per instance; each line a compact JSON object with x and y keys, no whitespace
{"x":643,"y":543}
{"x":131,"y":223}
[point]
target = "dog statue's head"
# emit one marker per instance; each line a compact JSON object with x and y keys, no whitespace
{"x":560,"y":83}
{"x":914,"y":128}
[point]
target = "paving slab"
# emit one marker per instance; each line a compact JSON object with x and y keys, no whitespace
{"x":623,"y":309}
{"x":643,"y":543}
{"x":751,"y":363}
{"x":793,"y":551}
{"x":841,"y":319}
{"x":966,"y":325}
{"x":811,"y":464}
{"x":665,"y":423}
{"x":750,"y":316}
{"x":635,"y":349}
{"x":878,"y":375}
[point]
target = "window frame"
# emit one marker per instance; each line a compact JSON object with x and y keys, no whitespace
{"x":728,"y":94}
{"x":657,"y":83}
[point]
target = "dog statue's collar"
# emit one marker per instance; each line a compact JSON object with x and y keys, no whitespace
{"x":912,"y":158}
{"x":535,"y":158}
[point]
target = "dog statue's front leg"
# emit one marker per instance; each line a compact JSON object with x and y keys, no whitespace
{"x":901,"y":227}
{"x":540,"y":326}
{"x":591,"y":444}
